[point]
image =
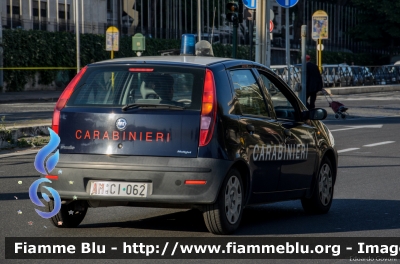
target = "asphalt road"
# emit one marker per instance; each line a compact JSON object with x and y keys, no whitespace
{"x":366,"y":200}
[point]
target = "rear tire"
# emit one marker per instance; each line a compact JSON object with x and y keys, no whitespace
{"x":224,"y":216}
{"x":336,"y":116}
{"x":321,"y":200}
{"x":66,"y":220}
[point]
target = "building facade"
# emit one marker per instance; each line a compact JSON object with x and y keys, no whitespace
{"x":55,"y":15}
{"x":169,"y":19}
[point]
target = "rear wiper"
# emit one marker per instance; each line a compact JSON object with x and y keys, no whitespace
{"x":136,"y":105}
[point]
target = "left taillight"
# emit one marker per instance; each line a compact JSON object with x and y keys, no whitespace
{"x":62,"y":101}
{"x":208,"y":109}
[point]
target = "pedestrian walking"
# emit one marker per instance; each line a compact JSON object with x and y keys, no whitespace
{"x":313,"y":82}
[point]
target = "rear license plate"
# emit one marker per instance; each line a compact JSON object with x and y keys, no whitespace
{"x":126,"y":189}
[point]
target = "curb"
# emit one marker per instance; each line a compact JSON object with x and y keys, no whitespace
{"x":364,"y":89}
{"x":23,"y":131}
{"x":24,"y":100}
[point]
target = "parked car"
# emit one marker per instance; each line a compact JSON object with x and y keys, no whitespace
{"x":361,"y":75}
{"x":386,"y":74}
{"x":337,"y":75}
{"x":295,"y":74}
{"x":215,"y":134}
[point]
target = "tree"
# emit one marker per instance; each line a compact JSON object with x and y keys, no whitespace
{"x":378,"y":22}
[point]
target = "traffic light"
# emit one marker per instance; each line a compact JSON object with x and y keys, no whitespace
{"x":232,"y":12}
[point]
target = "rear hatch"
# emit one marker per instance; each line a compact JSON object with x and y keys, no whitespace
{"x":149,"y":110}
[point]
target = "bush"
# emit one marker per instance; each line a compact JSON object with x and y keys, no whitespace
{"x":34,"y":48}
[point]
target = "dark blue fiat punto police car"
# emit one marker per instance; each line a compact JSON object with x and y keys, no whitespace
{"x":188,"y":131}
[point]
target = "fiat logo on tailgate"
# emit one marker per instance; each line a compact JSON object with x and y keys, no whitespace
{"x":121,"y":124}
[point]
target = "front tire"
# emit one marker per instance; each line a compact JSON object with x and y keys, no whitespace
{"x":70,"y":215}
{"x":321,"y":200}
{"x":224,"y":216}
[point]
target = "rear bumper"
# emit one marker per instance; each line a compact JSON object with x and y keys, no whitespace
{"x":166,"y":175}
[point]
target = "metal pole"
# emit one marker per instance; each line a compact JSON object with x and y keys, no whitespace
{"x":263,"y":33}
{"x":40,"y":15}
{"x":268,"y":37}
{"x":148,"y":18}
{"x":78,"y":60}
{"x":259,"y":15}
{"x":198,"y":20}
{"x":167,"y":19}
{"x":30,"y":13}
{"x":251,"y":37}
{"x":303,"y":96}
{"x":234,"y":42}
{"x":20,"y":13}
{"x":208,"y":17}
{"x":1,"y":57}
{"x":66,"y":15}
{"x":83,"y":18}
{"x":219,"y":21}
{"x":185,"y":16}
{"x":11,"y":14}
{"x":48,"y":12}
{"x":320,"y":55}
{"x":287,"y":45}
{"x":57,"y":18}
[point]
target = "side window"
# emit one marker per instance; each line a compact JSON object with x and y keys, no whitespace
{"x":249,"y":94}
{"x":282,"y":105}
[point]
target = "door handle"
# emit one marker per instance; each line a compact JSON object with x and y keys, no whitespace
{"x":250,"y":128}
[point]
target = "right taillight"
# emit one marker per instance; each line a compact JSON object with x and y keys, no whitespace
{"x":208,"y":109}
{"x":62,"y":101}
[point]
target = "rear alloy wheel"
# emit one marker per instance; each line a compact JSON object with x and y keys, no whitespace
{"x":321,"y":200}
{"x":223,"y":217}
{"x":70,"y":215}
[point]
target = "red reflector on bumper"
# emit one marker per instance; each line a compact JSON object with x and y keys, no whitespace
{"x":195,"y":182}
{"x":52,"y":177}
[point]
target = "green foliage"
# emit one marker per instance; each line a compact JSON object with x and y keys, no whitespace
{"x":31,"y":48}
{"x":379,"y":22}
{"x":5,"y":133}
{"x":32,"y":141}
{"x":24,"y":48}
{"x":365,"y":59}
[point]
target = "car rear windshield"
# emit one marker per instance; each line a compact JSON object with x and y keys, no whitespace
{"x":113,"y":86}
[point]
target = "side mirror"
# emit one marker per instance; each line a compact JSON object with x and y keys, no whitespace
{"x":315,"y":114}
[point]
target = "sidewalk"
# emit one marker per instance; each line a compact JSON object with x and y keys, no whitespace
{"x":26,"y":128}
{"x":10,"y":97}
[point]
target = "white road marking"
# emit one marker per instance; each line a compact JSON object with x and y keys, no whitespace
{"x":379,"y":143}
{"x":347,"y":150}
{"x":361,"y":118}
{"x":367,"y":99}
{"x":357,"y":127}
